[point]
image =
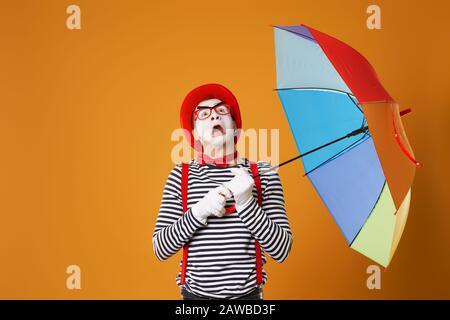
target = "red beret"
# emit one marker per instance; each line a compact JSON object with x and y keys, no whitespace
{"x":199,"y":94}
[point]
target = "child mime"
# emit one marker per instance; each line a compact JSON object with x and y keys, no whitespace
{"x":213,"y":208}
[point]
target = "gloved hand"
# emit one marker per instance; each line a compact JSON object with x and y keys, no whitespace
{"x":213,"y":203}
{"x":241,"y":187}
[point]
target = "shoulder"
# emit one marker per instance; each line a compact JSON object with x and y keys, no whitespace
{"x":179,"y":167}
{"x":268,"y":174}
{"x":272,"y":175}
{"x":176,"y":171}
{"x":174,"y":179}
{"x":263,"y":165}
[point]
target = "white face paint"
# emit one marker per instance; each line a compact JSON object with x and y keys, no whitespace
{"x":216,"y":131}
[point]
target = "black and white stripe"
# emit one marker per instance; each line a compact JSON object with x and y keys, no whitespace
{"x":221,"y":261}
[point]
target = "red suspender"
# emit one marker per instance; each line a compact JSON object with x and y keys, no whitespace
{"x":259,"y":280}
{"x":184,"y":195}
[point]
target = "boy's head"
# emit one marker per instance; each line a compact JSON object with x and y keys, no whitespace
{"x":210,"y":116}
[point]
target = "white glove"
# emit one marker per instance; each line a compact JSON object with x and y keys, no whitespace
{"x":213,"y":203}
{"x":241,"y":187}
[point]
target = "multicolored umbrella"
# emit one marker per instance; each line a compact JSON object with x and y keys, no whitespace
{"x":350,"y":137}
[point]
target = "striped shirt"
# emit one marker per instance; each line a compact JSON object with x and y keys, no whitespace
{"x":221,"y":255}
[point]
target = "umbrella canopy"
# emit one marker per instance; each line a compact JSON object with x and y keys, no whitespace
{"x":330,"y":92}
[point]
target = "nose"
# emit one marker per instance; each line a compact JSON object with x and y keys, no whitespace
{"x":214,"y":115}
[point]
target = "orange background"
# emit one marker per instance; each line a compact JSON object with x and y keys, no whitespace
{"x":85,"y":125}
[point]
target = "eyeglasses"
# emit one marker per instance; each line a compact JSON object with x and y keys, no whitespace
{"x":203,"y":113}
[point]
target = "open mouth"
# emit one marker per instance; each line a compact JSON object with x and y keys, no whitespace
{"x":218,"y":130}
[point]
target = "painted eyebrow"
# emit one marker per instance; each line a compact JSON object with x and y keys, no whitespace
{"x":206,"y":107}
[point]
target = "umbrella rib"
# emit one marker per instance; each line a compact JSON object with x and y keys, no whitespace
{"x":339,"y":153}
{"x":370,"y":213}
{"x":351,"y":134}
{"x":312,"y":88}
{"x":353,"y":101}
